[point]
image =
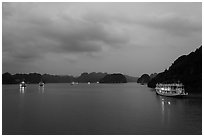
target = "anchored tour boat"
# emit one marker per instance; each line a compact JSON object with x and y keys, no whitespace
{"x":22,"y":84}
{"x":41,"y":84}
{"x":175,"y":89}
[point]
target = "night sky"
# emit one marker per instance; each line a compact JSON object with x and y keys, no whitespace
{"x":71,"y":38}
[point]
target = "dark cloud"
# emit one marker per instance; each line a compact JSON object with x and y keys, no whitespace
{"x":170,"y":23}
{"x":175,"y":25}
{"x":33,"y":34}
{"x":81,"y":36}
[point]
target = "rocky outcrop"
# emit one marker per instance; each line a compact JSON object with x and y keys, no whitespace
{"x":90,"y":77}
{"x":153,"y":75}
{"x":144,"y":79}
{"x":7,"y":78}
{"x":114,"y":78}
{"x":186,"y":69}
{"x":35,"y":78}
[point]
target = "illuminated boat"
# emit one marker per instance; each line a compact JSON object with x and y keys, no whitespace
{"x":22,"y":84}
{"x":41,"y":84}
{"x":174,"y":89}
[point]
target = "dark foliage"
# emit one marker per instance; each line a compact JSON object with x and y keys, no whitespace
{"x":186,"y":69}
{"x":7,"y":78}
{"x":153,"y":75}
{"x":90,"y":77}
{"x":47,"y":78}
{"x":34,"y":78}
{"x":114,"y":78}
{"x":145,"y":78}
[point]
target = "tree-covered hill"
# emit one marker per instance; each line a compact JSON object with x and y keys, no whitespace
{"x":114,"y":78}
{"x":186,"y":69}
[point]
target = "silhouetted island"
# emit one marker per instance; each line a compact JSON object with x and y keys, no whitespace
{"x":153,"y":75}
{"x":144,"y":79}
{"x":187,"y":69}
{"x":35,"y":78}
{"x":90,"y":77}
{"x":114,"y":78}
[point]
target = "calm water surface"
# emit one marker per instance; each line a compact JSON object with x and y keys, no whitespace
{"x":97,"y":109}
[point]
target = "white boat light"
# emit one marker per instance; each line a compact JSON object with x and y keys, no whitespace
{"x":169,"y":103}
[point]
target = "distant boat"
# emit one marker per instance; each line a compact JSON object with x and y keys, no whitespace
{"x":74,"y":83}
{"x":22,"y":84}
{"x":97,"y":82}
{"x":175,"y":89}
{"x":89,"y":83}
{"x":41,"y":84}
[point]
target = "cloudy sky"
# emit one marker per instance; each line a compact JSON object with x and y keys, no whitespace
{"x":71,"y":38}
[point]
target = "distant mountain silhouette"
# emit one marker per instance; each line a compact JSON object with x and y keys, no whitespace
{"x":131,"y":79}
{"x":34,"y":78}
{"x":144,"y":79}
{"x":47,"y":78}
{"x":7,"y":78}
{"x":90,"y":77}
{"x":114,"y":78}
{"x":186,"y":69}
{"x":153,"y":75}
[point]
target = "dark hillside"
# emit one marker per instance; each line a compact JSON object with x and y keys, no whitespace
{"x":186,"y":69}
{"x":114,"y":78}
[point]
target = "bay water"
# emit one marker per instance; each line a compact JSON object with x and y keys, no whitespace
{"x":97,"y":109}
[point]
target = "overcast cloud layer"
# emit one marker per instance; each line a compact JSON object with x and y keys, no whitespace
{"x":70,"y":38}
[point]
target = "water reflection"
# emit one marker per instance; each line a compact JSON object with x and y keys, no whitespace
{"x":41,"y":89}
{"x":166,"y":114}
{"x":22,"y":90}
{"x":167,"y":104}
{"x":21,"y":105}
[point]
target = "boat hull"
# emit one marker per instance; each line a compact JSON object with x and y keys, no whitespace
{"x":170,"y":94}
{"x":22,"y":85}
{"x":171,"y":90}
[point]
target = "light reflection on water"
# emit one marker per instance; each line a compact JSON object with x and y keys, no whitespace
{"x":178,"y":114}
{"x":22,"y":90}
{"x":41,"y":89}
{"x":166,"y":105}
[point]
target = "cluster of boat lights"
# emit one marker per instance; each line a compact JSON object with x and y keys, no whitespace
{"x":41,"y":85}
{"x":76,"y":83}
{"x":168,"y":102}
{"x":168,"y":89}
{"x":23,"y":86}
